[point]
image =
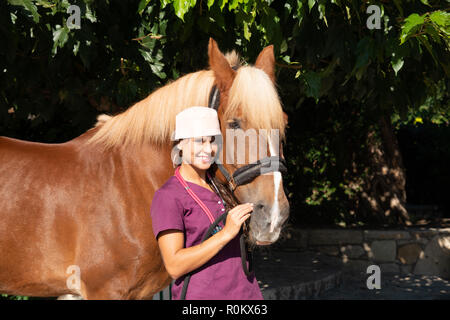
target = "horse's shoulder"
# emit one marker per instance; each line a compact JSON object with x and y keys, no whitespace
{"x":170,"y":188}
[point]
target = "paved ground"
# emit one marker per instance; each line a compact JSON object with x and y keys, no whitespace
{"x":393,"y":287}
{"x":293,"y":275}
{"x":307,"y":275}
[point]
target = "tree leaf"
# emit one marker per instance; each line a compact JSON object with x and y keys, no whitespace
{"x":300,"y":12}
{"x":397,"y":64}
{"x":142,"y":5}
{"x":182,"y":7}
{"x":222,"y":5}
{"x":441,"y":18}
{"x":424,"y":40}
{"x":90,"y":15}
{"x":29,"y":6}
{"x":60,"y":37}
{"x":313,"y":82}
{"x":321,"y":9}
{"x":412,"y":23}
{"x":247,"y":33}
{"x":211,"y":2}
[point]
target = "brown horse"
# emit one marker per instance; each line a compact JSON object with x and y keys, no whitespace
{"x":82,"y":208}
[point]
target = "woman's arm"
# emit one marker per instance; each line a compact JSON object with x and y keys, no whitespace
{"x":179,"y":260}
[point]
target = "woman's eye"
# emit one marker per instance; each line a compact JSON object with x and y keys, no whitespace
{"x":213,"y":138}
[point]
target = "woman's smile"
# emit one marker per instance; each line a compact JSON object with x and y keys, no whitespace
{"x":204,"y":158}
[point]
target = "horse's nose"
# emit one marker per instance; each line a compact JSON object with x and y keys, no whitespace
{"x":260,"y":206}
{"x":260,"y":215}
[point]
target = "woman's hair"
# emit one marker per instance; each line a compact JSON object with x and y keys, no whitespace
{"x":176,"y":154}
{"x":225,"y":192}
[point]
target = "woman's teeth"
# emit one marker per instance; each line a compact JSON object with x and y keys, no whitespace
{"x":205,"y":158}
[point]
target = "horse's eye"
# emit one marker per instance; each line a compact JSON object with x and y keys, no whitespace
{"x":234,"y":124}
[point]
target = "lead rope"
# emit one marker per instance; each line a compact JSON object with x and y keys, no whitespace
{"x":246,"y":254}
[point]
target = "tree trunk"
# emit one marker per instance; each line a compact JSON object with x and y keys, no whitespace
{"x":383,"y":196}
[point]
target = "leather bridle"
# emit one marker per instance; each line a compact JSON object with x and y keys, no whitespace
{"x":249,"y":172}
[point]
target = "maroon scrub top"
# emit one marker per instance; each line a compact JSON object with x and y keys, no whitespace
{"x":222,"y":277}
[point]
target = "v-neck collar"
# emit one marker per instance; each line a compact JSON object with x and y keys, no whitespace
{"x":212,"y":194}
{"x":201,"y":187}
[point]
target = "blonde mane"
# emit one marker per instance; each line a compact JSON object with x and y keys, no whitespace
{"x":152,"y":120}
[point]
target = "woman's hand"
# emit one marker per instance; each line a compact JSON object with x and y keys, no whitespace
{"x":179,"y":260}
{"x":235,"y":218}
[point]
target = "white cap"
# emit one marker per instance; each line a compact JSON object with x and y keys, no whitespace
{"x":196,"y":122}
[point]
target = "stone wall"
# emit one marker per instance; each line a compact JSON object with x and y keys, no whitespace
{"x":410,"y":251}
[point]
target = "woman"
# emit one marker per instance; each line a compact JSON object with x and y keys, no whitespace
{"x":180,"y":220}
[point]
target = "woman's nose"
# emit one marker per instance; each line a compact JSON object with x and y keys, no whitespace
{"x":207,"y":147}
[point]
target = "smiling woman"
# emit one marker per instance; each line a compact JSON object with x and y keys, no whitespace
{"x":177,"y":149}
{"x":186,"y":206}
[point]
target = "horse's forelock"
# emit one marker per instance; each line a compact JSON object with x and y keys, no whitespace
{"x":233,"y":59}
{"x":254,"y":97}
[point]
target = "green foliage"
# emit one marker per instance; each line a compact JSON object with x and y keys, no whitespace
{"x":7,"y":297}
{"x":335,"y":76}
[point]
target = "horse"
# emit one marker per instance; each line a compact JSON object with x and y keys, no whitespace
{"x":75,"y":216}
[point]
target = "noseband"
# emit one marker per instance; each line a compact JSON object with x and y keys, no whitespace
{"x":249,"y":172}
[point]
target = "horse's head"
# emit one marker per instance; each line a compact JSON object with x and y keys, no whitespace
{"x":253,"y":126}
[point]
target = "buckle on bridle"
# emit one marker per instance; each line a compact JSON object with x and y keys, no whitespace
{"x":232,"y":184}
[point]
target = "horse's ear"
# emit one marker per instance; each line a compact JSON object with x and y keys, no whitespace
{"x":217,"y":62}
{"x":266,"y":62}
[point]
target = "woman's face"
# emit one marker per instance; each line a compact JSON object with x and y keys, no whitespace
{"x":199,"y":152}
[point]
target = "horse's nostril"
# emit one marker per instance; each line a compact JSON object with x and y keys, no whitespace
{"x":259,"y":206}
